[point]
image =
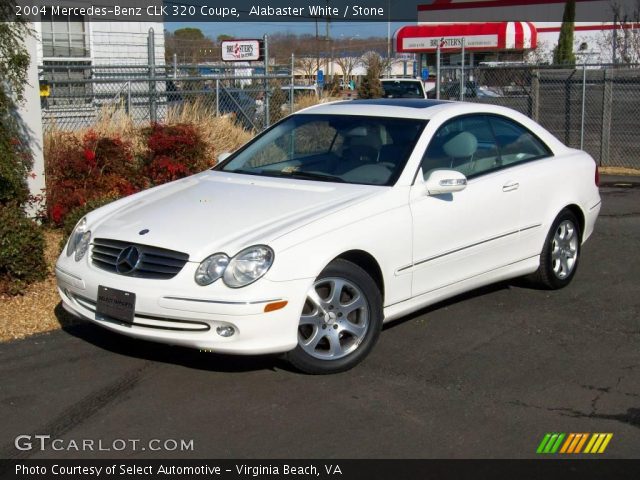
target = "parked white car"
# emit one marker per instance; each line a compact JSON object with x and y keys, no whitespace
{"x":335,"y":220}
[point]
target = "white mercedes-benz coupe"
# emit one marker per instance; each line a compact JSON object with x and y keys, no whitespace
{"x":333,"y":221}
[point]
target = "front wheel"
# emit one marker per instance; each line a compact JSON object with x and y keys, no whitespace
{"x":560,"y":254}
{"x":340,"y":321}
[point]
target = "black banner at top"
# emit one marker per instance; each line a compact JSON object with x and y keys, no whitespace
{"x":322,"y":10}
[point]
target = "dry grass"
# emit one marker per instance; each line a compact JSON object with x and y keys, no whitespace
{"x":619,"y":171}
{"x":33,"y":312}
{"x":220,"y":134}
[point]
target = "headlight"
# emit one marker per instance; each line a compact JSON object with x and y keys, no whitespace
{"x":211,"y":269}
{"x":83,"y":245}
{"x":248,"y":266}
{"x":78,"y":231}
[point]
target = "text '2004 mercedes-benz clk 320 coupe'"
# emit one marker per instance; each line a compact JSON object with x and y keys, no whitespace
{"x":335,"y":220}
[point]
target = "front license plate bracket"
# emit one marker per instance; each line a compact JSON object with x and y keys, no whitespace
{"x":115,"y":304}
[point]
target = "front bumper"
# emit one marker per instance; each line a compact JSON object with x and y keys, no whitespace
{"x":179,"y":312}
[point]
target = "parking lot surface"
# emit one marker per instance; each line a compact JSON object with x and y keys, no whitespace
{"x":484,"y":375}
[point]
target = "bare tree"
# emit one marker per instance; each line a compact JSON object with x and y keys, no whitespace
{"x":308,"y":65}
{"x":541,"y":55}
{"x":348,"y":64}
{"x":623,"y":42}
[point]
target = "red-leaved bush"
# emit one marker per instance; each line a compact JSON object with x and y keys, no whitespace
{"x":175,"y":151}
{"x":83,"y":168}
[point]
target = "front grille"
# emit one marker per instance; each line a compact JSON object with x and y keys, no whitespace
{"x":157,"y":263}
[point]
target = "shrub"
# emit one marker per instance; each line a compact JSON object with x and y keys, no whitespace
{"x":21,"y":250}
{"x":175,"y":151}
{"x":115,"y":158}
{"x":87,"y":168}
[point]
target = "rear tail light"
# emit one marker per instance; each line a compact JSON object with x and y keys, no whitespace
{"x":597,"y":179}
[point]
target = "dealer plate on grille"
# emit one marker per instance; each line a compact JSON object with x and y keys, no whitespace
{"x":116,"y":304}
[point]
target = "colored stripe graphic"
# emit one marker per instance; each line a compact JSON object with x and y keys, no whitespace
{"x":598,"y":442}
{"x":581,"y":442}
{"x":567,"y":443}
{"x":550,"y":443}
{"x":543,"y":443}
{"x":573,"y":443}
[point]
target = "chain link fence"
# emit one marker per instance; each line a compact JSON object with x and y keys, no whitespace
{"x":76,"y":95}
{"x":595,"y":108}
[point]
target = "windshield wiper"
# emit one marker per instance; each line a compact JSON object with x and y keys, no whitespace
{"x":295,"y":174}
{"x":323,"y":177}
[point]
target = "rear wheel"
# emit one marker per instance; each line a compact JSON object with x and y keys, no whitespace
{"x":560,"y":254}
{"x":340,"y":321}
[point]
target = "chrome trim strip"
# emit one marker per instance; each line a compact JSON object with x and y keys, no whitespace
{"x":223,"y":302}
{"x":440,"y":255}
{"x":460,"y":281}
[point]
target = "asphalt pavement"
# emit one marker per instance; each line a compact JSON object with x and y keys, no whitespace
{"x":484,"y":375}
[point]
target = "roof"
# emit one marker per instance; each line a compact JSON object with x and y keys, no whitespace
{"x":384,"y":107}
{"x":391,"y":79}
{"x":433,"y":110}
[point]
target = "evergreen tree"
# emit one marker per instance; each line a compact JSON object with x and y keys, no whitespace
{"x":563,"y":53}
{"x":370,"y":86}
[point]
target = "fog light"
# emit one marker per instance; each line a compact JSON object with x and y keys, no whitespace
{"x":226,"y":331}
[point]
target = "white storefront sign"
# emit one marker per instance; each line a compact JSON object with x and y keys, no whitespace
{"x":431,"y":43}
{"x":240,"y":50}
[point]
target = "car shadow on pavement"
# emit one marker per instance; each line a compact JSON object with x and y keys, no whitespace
{"x":479,"y":292}
{"x":170,"y":354}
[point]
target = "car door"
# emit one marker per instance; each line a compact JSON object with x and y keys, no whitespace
{"x":471,"y":232}
{"x":530,"y":162}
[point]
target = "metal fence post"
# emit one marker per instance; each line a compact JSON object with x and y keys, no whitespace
{"x":584,"y":91}
{"x":293,"y":79}
{"x":153,"y":114}
{"x":129,"y":97}
{"x":534,"y":108}
{"x":217,"y":97}
{"x":438,"y":71}
{"x":266,"y":82}
{"x":605,"y":132}
{"x":462,"y":82}
{"x":175,"y":66}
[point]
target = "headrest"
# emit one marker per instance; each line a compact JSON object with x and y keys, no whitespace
{"x":462,"y":145}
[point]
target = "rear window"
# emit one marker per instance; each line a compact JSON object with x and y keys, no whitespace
{"x":398,"y":89}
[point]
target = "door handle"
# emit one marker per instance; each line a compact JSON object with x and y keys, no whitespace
{"x":510,"y":186}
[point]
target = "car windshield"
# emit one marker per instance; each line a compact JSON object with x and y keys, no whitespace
{"x":397,"y":89}
{"x":331,"y":148}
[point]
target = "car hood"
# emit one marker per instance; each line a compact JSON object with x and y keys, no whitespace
{"x":225,"y":212}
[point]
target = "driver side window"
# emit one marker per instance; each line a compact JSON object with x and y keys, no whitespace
{"x":465,"y":144}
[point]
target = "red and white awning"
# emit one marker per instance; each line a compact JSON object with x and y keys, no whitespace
{"x":492,"y":36}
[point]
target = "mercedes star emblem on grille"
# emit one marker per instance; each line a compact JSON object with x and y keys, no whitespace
{"x":128,"y":260}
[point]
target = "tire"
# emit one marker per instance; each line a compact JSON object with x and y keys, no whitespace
{"x":336,"y":333}
{"x":561,"y":253}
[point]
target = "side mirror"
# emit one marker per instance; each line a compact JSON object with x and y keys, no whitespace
{"x":445,"y":181}
{"x":223,"y":156}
